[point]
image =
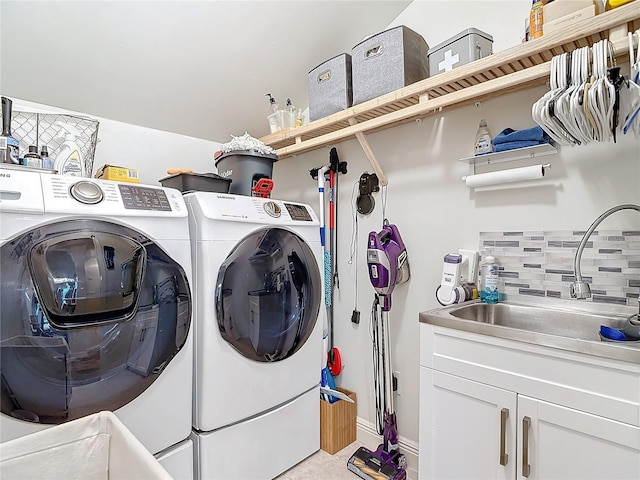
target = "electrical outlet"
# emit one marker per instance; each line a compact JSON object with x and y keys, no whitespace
{"x":395,"y":382}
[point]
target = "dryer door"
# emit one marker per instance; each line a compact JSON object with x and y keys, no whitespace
{"x":268,"y":295}
{"x":92,"y":312}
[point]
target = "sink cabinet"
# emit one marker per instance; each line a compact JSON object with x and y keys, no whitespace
{"x":492,"y":408}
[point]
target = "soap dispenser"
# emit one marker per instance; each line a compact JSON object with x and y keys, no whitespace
{"x":69,"y":160}
{"x":489,"y":280}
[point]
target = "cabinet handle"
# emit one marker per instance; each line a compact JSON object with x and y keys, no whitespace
{"x":526,"y":468}
{"x":504,"y":457}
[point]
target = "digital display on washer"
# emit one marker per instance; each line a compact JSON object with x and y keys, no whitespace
{"x":144,"y":198}
{"x":298,"y":212}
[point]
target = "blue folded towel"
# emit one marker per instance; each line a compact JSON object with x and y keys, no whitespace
{"x":501,"y":147}
{"x":533,"y":134}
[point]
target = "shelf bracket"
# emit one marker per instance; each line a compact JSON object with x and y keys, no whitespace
{"x":364,"y":143}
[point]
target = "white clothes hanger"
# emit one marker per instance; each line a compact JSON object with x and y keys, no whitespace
{"x":602,"y":93}
{"x":635,"y":64}
{"x":570,"y":105}
{"x":539,"y":110}
{"x":548,"y":109}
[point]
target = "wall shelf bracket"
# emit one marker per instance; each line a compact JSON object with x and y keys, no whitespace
{"x":364,"y":143}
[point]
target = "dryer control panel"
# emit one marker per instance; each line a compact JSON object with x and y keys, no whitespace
{"x":243,"y":208}
{"x":298,"y":212}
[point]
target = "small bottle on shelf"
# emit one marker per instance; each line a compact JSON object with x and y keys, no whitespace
{"x":483,"y":139}
{"x":536,"y":19}
{"x":290,"y":115}
{"x":32,"y":159}
{"x":46,"y":160}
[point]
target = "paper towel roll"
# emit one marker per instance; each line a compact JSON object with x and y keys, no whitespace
{"x":534,"y":172}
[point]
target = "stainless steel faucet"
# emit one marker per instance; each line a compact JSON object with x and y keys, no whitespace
{"x":580,"y":289}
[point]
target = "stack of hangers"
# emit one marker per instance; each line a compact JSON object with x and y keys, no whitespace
{"x":590,"y":99}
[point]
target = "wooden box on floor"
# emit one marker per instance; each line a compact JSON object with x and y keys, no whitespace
{"x":337,"y":423}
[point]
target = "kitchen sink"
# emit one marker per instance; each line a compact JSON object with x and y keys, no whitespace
{"x":539,"y":319}
{"x":566,"y":324}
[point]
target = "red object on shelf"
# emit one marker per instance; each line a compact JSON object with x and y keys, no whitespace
{"x":263,"y":187}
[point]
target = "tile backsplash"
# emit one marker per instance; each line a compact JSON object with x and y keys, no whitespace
{"x":540,"y":264}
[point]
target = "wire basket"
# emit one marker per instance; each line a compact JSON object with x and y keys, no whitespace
{"x":40,"y":129}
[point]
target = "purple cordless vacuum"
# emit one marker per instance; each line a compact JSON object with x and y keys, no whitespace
{"x":388,"y":266}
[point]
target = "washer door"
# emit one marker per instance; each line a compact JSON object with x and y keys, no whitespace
{"x":268,"y":295}
{"x":92,"y":312}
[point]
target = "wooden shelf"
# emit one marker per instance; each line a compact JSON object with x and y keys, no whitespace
{"x":517,"y":68}
{"x":511,"y":155}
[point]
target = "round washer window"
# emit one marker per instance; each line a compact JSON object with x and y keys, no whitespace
{"x":268,"y":295}
{"x":92,"y":312}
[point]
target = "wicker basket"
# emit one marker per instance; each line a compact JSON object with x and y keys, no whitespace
{"x":41,"y":129}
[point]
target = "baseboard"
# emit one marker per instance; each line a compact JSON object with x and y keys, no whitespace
{"x":368,"y":435}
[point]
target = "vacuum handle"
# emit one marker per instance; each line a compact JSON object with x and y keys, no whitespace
{"x":504,"y":457}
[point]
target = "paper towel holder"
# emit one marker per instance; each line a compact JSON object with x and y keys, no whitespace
{"x":533,"y":172}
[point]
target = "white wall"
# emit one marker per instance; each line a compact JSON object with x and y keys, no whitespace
{"x":434,"y":210}
{"x":439,"y":20}
{"x":151,"y":151}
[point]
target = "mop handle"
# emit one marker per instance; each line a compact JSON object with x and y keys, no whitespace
{"x":332,"y":200}
{"x":325,"y":253}
{"x":321,"y":182}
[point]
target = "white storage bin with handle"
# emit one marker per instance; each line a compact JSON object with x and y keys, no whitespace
{"x":95,"y":447}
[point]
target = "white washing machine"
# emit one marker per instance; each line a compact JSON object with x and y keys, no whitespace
{"x":96,"y":309}
{"x":258,"y":339}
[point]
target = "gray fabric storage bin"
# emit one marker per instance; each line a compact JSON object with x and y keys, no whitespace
{"x":330,"y":89}
{"x":467,"y":46}
{"x":388,"y":61}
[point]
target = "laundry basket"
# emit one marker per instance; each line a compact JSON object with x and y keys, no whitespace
{"x":96,"y":447}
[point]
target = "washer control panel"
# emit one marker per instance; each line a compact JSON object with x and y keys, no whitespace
{"x":144,"y":198}
{"x":64,"y":193}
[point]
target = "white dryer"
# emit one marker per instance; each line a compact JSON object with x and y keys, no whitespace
{"x":258,"y":340}
{"x":96,"y":309}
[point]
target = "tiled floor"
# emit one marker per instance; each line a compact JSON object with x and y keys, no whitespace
{"x":322,"y":465}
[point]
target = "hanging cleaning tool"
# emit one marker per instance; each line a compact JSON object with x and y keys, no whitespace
{"x":332,"y":260}
{"x":388,"y":266}
{"x":319,"y":174}
{"x":335,"y":167}
{"x":326,"y":378}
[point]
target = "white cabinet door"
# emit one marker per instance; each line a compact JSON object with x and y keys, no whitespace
{"x":556,"y":442}
{"x":467,"y":429}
